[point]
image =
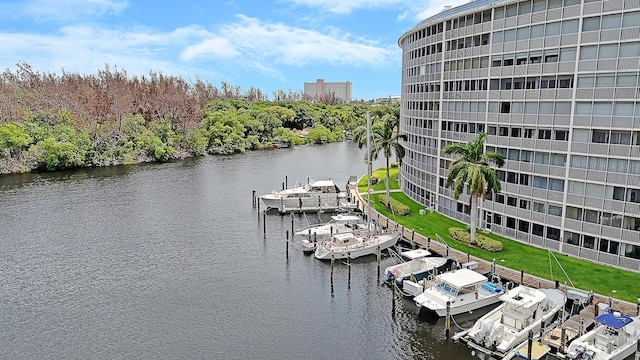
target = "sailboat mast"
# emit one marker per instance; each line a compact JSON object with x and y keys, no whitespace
{"x":369,"y":171}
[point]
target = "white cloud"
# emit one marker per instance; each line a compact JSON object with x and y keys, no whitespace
{"x":259,"y":43}
{"x":346,"y":6}
{"x":61,"y":10}
{"x":414,"y":10}
{"x":216,"y":47}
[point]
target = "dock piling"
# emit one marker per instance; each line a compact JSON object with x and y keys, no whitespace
{"x":447,"y":323}
{"x":529,"y":344}
{"x":379,"y":256}
{"x":253,"y":198}
{"x":287,"y":244}
{"x":264,"y":224}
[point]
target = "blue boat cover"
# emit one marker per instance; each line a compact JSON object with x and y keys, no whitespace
{"x":614,"y":320}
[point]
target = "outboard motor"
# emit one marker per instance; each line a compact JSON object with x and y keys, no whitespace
{"x":484,"y":331}
{"x":495,"y":335}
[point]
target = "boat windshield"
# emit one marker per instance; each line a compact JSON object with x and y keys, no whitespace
{"x":447,"y":288}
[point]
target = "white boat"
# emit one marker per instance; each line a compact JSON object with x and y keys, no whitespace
{"x":523,"y":309}
{"x":355,"y":244}
{"x":314,"y":196}
{"x":615,"y":338}
{"x":465,"y":290}
{"x":339,"y":224}
{"x":418,"y":267}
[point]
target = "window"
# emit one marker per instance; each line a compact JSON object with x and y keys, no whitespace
{"x":591,"y":24}
{"x":589,"y":242}
{"x":511,"y":223}
{"x":562,"y":135}
{"x":512,"y":178}
{"x":541,"y":158}
{"x":524,"y":179}
{"x":525,"y":156}
{"x":523,"y":226}
{"x":555,"y":210}
{"x":505,"y":107}
{"x":553,"y":233}
{"x":538,"y":207}
{"x":592,"y":216}
{"x":544,"y":134}
{"x":497,"y":219}
{"x":540,"y":182}
{"x":556,"y":184}
{"x":538,"y":230}
{"x":524,"y":204}
{"x":512,"y":201}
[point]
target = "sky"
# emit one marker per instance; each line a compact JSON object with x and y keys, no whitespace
{"x":268,"y":44}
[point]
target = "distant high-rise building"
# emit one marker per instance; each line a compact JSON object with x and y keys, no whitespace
{"x":320,"y":89}
{"x":555,"y":84}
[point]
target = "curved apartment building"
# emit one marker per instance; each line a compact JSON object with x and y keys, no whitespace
{"x":555,"y":84}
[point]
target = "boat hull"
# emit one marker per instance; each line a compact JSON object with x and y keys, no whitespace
{"x":381,"y":242}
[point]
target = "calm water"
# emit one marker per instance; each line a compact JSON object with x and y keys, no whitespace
{"x":171,"y":261}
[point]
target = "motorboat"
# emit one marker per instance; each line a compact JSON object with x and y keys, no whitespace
{"x":464,"y":289}
{"x":614,"y":338}
{"x":315,"y":196}
{"x":420,"y":265}
{"x":356,"y":244}
{"x":339,"y":224}
{"x":523,"y":309}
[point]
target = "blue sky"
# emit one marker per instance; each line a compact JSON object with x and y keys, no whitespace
{"x":268,"y":44}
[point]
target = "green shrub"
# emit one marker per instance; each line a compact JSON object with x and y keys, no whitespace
{"x":375,"y":180}
{"x":397,"y":207}
{"x":482,"y":241}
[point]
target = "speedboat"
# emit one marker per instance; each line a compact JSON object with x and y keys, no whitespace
{"x":464,"y":289}
{"x":314,"y":196}
{"x":614,"y":338}
{"x":355,"y":244}
{"x":419,"y":266}
{"x":523,"y":309}
{"x":339,"y":224}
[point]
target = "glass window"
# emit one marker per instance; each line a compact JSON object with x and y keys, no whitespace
{"x":522,"y":33}
{"x":608,"y":51}
{"x":498,"y":37}
{"x":539,"y":5}
{"x":605,"y":80}
{"x":562,"y":108}
{"x":630,"y":49}
{"x":538,"y":207}
{"x":586,"y":81}
{"x":568,"y":54}
{"x":611,"y":21}
{"x":552,"y":29}
{"x":553,"y":233}
{"x":553,"y":4}
{"x":579,"y":162}
{"x":541,"y":158}
{"x":555,"y":210}
{"x":591,"y":23}
{"x":509,"y":35}
{"x":558,"y":159}
{"x":512,"y":10}
{"x":556,"y":184}
{"x":499,"y":13}
{"x":583,"y":108}
{"x":626,"y":80}
{"x":537,"y":229}
{"x":623,"y":109}
{"x":570,"y":27}
{"x":540,"y":182}
{"x":592,"y":216}
{"x":589,"y":52}
{"x":631,"y":19}
{"x":524,"y":226}
{"x":602,"y":108}
{"x":525,"y":156}
{"x":589,"y":242}
{"x":524,"y":8}
{"x":537,"y":31}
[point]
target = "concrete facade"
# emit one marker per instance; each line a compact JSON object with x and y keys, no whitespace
{"x":320,"y":88}
{"x":555,"y":84}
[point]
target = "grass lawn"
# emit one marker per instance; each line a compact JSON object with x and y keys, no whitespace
{"x":515,"y":255}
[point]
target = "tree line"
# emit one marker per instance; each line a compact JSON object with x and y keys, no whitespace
{"x":58,"y":121}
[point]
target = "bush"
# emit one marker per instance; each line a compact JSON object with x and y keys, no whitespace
{"x":397,"y":207}
{"x":483,"y":242}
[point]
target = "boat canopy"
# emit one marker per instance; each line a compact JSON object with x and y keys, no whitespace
{"x":415,"y":254}
{"x":613,"y":319}
{"x":462,"y":278}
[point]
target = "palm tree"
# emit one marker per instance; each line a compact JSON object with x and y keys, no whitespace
{"x":384,"y":137}
{"x":472,"y":169}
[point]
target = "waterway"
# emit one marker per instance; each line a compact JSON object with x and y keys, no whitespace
{"x":173,"y":261}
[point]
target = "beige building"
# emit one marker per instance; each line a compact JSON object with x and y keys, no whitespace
{"x":555,"y":84}
{"x":320,"y":88}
